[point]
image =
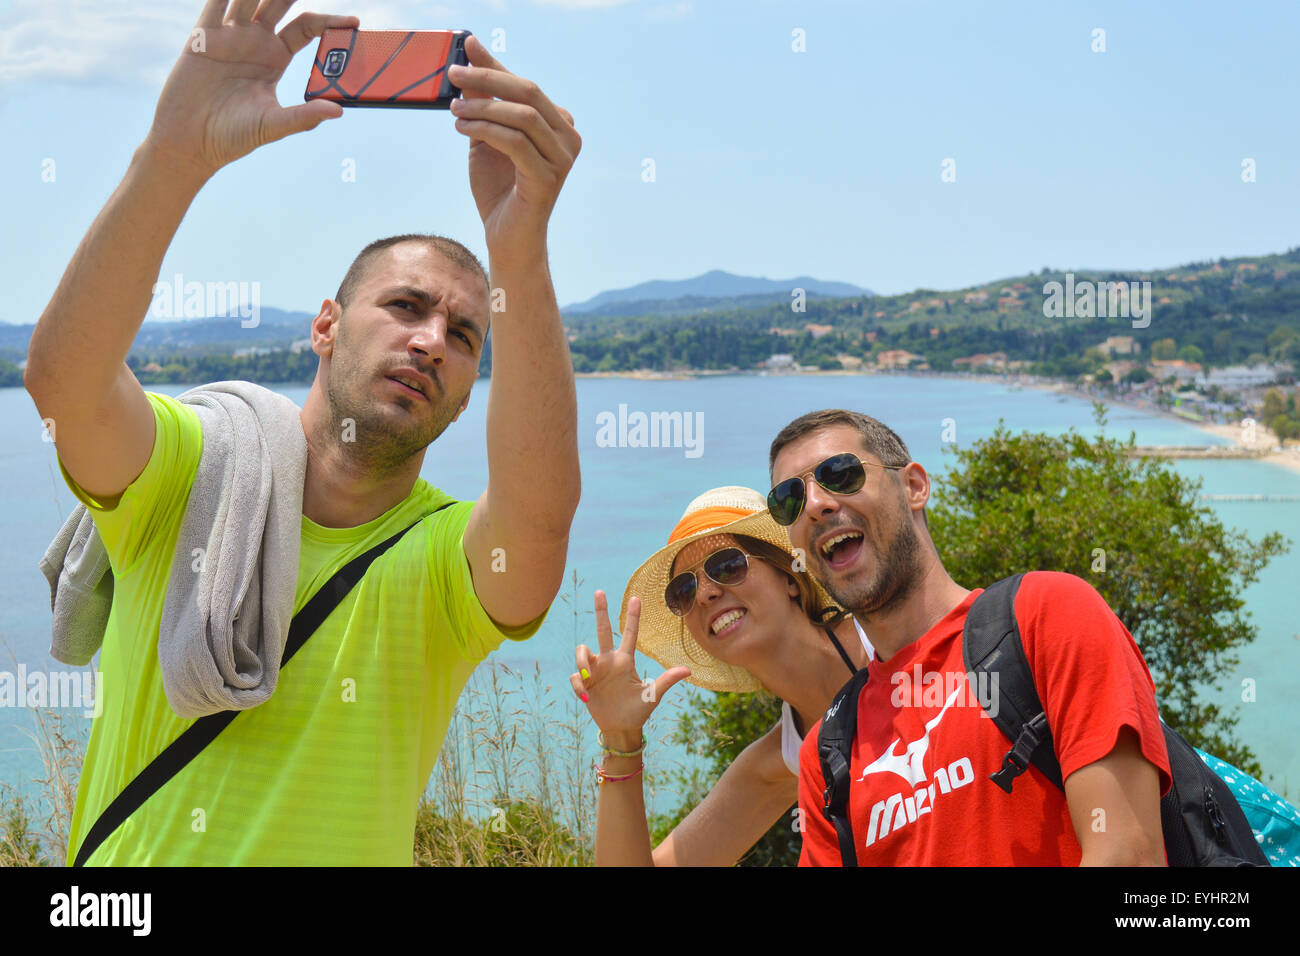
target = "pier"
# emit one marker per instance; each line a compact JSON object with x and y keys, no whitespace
{"x":1250,"y":497}
{"x":1197,"y":451}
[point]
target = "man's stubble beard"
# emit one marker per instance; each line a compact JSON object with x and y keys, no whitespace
{"x":897,"y":573}
{"x":380,"y":442}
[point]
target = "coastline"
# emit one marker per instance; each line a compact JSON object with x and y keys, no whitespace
{"x":1260,"y":439}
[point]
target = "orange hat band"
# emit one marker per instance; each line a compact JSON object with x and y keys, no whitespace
{"x":706,"y":519}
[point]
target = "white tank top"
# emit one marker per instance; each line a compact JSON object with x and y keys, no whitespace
{"x":790,"y":739}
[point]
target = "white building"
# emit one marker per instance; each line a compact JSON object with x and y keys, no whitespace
{"x":1244,"y":376}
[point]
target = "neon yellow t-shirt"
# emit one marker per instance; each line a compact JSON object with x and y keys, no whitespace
{"x":330,"y":769}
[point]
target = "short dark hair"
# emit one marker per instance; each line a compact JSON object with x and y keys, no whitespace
{"x":877,"y":437}
{"x":448,"y":248}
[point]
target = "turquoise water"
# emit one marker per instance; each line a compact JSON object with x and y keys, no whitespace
{"x":632,"y":496}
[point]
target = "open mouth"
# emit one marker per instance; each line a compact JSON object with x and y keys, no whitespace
{"x":727,"y":622}
{"x":408,"y":389}
{"x":841,"y":550}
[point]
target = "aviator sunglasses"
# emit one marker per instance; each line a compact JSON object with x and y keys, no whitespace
{"x":726,"y":567}
{"x":839,"y":474}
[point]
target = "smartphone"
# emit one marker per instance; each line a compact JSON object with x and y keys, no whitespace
{"x":403,"y":69}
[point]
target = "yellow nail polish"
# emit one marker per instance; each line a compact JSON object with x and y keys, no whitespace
{"x":584,"y":673}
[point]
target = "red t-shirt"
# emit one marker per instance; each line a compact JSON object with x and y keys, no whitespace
{"x":920,"y":792}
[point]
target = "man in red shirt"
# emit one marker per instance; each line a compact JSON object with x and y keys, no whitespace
{"x":920,"y":792}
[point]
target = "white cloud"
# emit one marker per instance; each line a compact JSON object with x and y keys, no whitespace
{"x":85,"y":41}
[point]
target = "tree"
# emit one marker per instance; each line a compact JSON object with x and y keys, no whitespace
{"x":1172,"y":572}
{"x":1163,"y":349}
{"x":10,"y":374}
{"x":1284,"y":428}
{"x":1223,"y":346}
{"x":1191,"y":353}
{"x":1280,"y":341}
{"x":1274,"y":404}
{"x":719,"y":727}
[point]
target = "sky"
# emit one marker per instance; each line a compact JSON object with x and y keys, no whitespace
{"x":896,"y":146}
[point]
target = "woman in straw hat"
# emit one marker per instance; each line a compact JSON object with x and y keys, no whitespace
{"x":723,"y":606}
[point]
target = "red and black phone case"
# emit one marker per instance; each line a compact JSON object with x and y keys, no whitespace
{"x":387,"y":68}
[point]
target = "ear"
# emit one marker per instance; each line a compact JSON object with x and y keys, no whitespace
{"x":325,"y":328}
{"x":791,"y":588}
{"x":916,"y":485}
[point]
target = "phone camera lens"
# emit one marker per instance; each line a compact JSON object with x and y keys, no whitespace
{"x":335,"y":60}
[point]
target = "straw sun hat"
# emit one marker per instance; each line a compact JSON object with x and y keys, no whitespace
{"x":662,"y":635}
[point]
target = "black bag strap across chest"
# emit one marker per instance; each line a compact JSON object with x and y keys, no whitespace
{"x":203,"y":731}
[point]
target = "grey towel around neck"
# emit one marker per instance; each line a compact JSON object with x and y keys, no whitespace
{"x":230,"y":592}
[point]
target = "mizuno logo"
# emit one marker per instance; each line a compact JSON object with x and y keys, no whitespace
{"x":910,"y":763}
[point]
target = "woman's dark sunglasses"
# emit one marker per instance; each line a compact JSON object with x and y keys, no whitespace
{"x":726,"y":567}
{"x":839,"y":474}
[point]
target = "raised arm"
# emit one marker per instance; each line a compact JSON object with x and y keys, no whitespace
{"x":620,"y":705}
{"x":751,"y":795}
{"x":521,"y":149}
{"x":218,"y":104}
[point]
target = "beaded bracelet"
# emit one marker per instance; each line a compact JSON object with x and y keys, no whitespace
{"x":602,"y":777}
{"x":600,"y":736}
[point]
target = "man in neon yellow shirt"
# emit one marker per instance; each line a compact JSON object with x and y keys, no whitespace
{"x":329,"y":770}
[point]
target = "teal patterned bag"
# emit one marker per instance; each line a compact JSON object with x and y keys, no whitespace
{"x":1275,"y":822}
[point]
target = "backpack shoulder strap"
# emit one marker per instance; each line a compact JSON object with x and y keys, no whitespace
{"x":834,"y":743}
{"x":203,"y":731}
{"x":991,"y":645}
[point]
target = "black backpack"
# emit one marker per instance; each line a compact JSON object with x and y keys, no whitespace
{"x":1202,"y":823}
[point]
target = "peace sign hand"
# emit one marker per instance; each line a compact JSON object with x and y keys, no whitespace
{"x":619,"y":702}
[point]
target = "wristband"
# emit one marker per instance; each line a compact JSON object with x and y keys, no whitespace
{"x":600,"y":736}
{"x":602,"y":777}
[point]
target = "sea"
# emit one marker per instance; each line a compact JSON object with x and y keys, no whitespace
{"x":632,"y":495}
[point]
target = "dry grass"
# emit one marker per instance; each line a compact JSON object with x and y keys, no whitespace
{"x":35,"y":832}
{"x":513,"y":785}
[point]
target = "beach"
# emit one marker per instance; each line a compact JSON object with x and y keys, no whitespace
{"x":1260,"y":439}
{"x":1255,"y":437}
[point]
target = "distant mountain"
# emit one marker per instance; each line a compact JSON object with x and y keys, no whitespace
{"x":680,"y":295}
{"x":275,"y":328}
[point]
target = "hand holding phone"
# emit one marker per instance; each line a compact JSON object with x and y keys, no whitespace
{"x":522,"y":146}
{"x":403,"y":69}
{"x":219,"y":102}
